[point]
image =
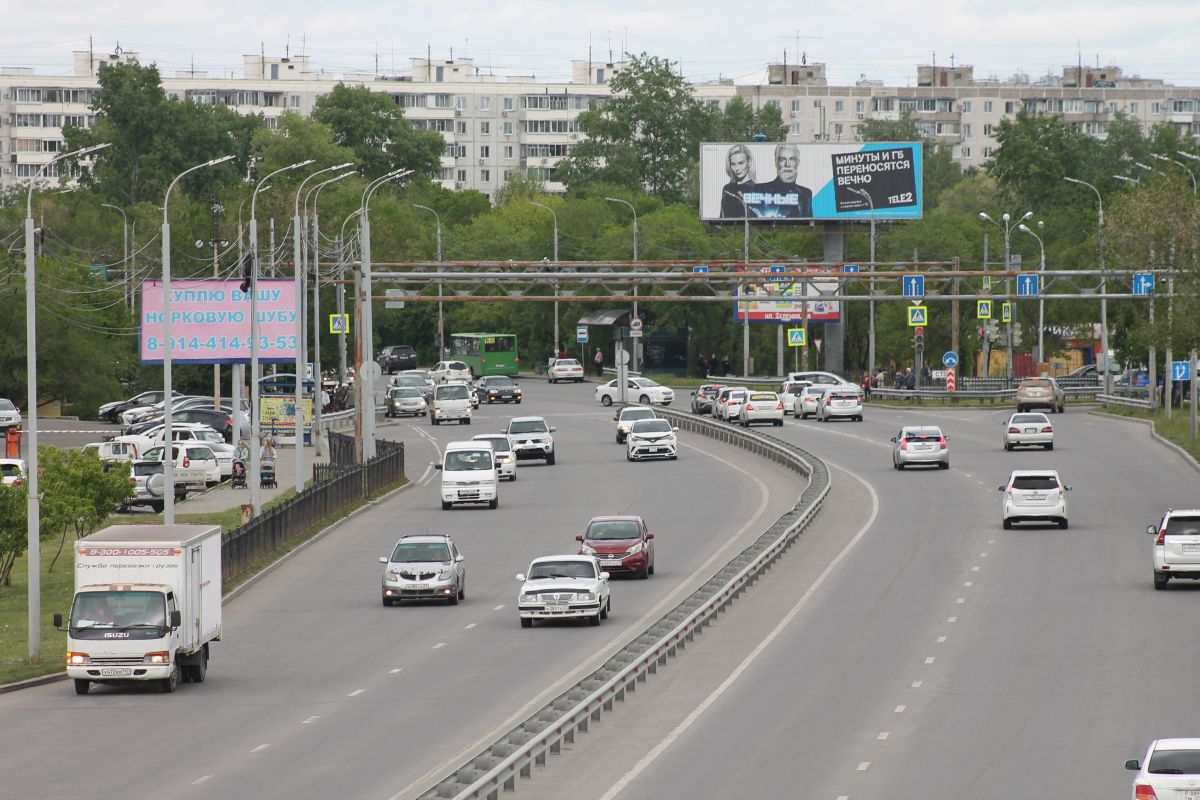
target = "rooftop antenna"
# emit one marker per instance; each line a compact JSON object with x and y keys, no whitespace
{"x":625,"y":43}
{"x":287,"y":48}
{"x":262,"y":58}
{"x":377,"y":58}
{"x":610,"y":58}
{"x":952,"y":61}
{"x":590,"y":73}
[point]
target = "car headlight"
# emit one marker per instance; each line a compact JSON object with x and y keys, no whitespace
{"x":78,"y":659}
{"x":446,"y":574}
{"x":393,"y":576}
{"x":585,"y":597}
{"x":160,"y":657}
{"x":505,"y":460}
{"x":633,"y":551}
{"x":588,"y":551}
{"x":530,"y":599}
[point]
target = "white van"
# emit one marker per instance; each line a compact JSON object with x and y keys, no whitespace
{"x":469,"y":474}
{"x":451,"y":401}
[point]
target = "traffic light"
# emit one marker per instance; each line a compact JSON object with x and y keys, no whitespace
{"x":919,"y":341}
{"x":1016,"y":334}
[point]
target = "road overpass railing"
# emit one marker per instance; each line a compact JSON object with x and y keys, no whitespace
{"x":514,"y":755}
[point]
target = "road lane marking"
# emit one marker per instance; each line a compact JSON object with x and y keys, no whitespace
{"x":201,"y":780}
{"x":952,"y":620}
{"x":941,"y":640}
{"x":758,"y":650}
{"x":968,"y":584}
{"x":974,"y":569}
{"x":883,"y":735}
{"x":311,"y":720}
{"x":260,"y":748}
{"x":991,"y":541}
{"x":843,"y":797}
{"x":983,"y":555}
{"x":862,"y":767}
{"x":916,"y":684}
{"x":394,"y":671}
{"x":900,"y":709}
{"x":439,"y":644}
{"x":356,"y":693}
{"x":929,"y":659}
{"x":961,"y":600}
{"x":497,"y":608}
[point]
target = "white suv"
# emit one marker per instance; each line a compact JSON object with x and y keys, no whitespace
{"x":1034,"y":495}
{"x":1177,"y":546}
{"x":652,"y":438}
{"x":530,"y":437}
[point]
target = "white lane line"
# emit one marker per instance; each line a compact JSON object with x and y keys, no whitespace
{"x":883,"y":735}
{"x":968,"y":475}
{"x":961,"y":600}
{"x":929,"y":659}
{"x":201,"y":780}
{"x":472,"y":625}
{"x":862,"y":767}
{"x":900,"y":709}
{"x":974,"y":569}
{"x":916,"y":684}
{"x":983,"y":555}
{"x":438,"y":645}
{"x":260,"y":748}
{"x":952,"y":620}
{"x":980,"y":483}
{"x":356,"y":693}
{"x":843,"y":797}
{"x":941,"y":640}
{"x":968,"y":584}
{"x":394,"y":671}
{"x":311,"y":720}
{"x":497,"y":608}
{"x":991,"y":541}
{"x":758,"y":650}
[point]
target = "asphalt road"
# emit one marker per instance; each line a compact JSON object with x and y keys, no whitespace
{"x":319,"y":691}
{"x":941,"y":656}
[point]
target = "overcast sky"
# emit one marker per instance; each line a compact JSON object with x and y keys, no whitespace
{"x":881,"y":39}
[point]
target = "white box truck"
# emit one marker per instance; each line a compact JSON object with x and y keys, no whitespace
{"x":147,"y":604}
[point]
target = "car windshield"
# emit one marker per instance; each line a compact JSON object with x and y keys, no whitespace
{"x":923,"y":435}
{"x":408,"y":380}
{"x":613,"y":529}
{"x":497,"y":381}
{"x":1035,"y":384}
{"x":645,"y":383}
{"x":121,"y":610}
{"x":637,"y":413}
{"x":1183,"y":526}
{"x":421,"y":551}
{"x":465,"y":460}
{"x":528,"y":426}
{"x":456,"y":365}
{"x":499,"y":443}
{"x":10,"y":470}
{"x":405,"y":391}
{"x":7,"y":405}
{"x":652,"y":426}
{"x":737,"y":396}
{"x":843,"y":396}
{"x":566,"y":362}
{"x":561,"y":569}
{"x":763,"y":396}
{"x":1035,"y":482}
{"x":1017,"y":419}
{"x":209,"y":436}
{"x":452,"y":393}
{"x":1174,"y":762}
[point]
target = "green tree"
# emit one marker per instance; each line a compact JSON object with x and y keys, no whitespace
{"x":294,"y":139}
{"x":13,"y":533}
{"x":374,"y":128}
{"x":740,"y":123}
{"x":646,"y":136}
{"x":80,"y":493}
{"x":1035,"y":152}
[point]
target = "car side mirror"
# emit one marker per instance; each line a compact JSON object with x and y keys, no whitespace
{"x":649,"y":535}
{"x":521,"y":576}
{"x":603,"y":576}
{"x":459,"y":558}
{"x":1068,"y":488}
{"x":437,"y":466}
{"x":553,"y":429}
{"x":1152,"y":529}
{"x":893,"y":440}
{"x":176,"y":618}
{"x":579,"y":538}
{"x":383,"y":559}
{"x":1133,"y":764}
{"x":58,"y":622}
{"x":1000,"y":488}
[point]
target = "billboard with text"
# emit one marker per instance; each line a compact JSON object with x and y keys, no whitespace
{"x":767,"y":181}
{"x":780,"y":299}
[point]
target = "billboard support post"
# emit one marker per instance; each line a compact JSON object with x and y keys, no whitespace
{"x":870,"y":288}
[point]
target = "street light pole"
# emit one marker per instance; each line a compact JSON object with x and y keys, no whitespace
{"x":870,"y":288}
{"x":1007,"y":228}
{"x":1041,"y":288}
{"x":124,"y":241}
{"x":557,"y":342}
{"x":1103,"y":281}
{"x":33,"y":520}
{"x":635,"y":258}
{"x":441,"y":315}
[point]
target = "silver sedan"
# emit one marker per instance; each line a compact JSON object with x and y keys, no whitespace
{"x":923,"y":444}
{"x":1028,"y":430}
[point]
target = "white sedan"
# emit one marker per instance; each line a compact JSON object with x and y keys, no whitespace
{"x":563,"y":587}
{"x":762,"y":407}
{"x":1171,"y":769}
{"x":12,"y":471}
{"x":446,"y":371}
{"x":1028,"y":430}
{"x":565,"y":369}
{"x":651,"y":438}
{"x":809,"y":399}
{"x":638,"y":390}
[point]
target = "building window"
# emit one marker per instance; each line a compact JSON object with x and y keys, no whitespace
{"x":508,"y":129}
{"x":987,"y":129}
{"x":29,"y":95}
{"x":818,"y":103}
{"x":508,"y":173}
{"x":461,"y":128}
{"x":839,"y":106}
{"x":508,"y":151}
{"x":485,"y":104}
{"x":295,"y":101}
{"x":1133,"y":108}
{"x":987,"y":106}
{"x":462,"y":176}
{"x":1155,"y":107}
{"x":544,"y":150}
{"x":966,"y":129}
{"x":964,"y":152}
{"x":988,"y":151}
{"x":439,"y":74}
{"x":447,"y":173}
{"x":797,"y":128}
{"x":966,"y":106}
{"x":443,"y":100}
{"x":485,"y":175}
{"x":795,"y":105}
{"x":460,"y":103}
{"x":860,"y":106}
{"x":485,"y":128}
{"x":485,"y":151}
{"x":771,"y":104}
{"x":1010,"y":107}
{"x":508,"y":104}
{"x":883,"y":104}
{"x":837,"y":129}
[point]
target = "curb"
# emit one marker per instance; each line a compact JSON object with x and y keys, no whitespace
{"x":29,"y":683}
{"x":1184,"y":454}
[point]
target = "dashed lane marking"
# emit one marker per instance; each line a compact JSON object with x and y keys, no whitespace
{"x":900,"y":709}
{"x":862,"y":767}
{"x":311,"y":720}
{"x":394,"y":671}
{"x":929,"y":659}
{"x":916,"y":684}
{"x":356,"y":693}
{"x":201,"y":780}
{"x":472,"y":625}
{"x":438,"y":645}
{"x":260,"y":748}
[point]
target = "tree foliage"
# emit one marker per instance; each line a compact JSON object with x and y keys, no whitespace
{"x":372,"y":126}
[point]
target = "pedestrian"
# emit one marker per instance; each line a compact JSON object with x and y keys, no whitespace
{"x":910,"y":379}
{"x":703,"y":365}
{"x":725,"y":367}
{"x":599,"y":360}
{"x":713,"y":363}
{"x":242,"y":453}
{"x":562,"y":352}
{"x":866,"y":385}
{"x":267,"y":451}
{"x":926,"y":375}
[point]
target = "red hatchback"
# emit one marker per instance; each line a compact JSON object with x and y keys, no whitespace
{"x":623,"y":545}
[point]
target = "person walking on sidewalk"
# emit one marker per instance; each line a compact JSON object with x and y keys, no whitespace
{"x":599,"y":361}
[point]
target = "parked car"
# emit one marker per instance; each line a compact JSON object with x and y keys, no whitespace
{"x":531,"y":438}
{"x":1041,"y":392}
{"x":789,"y":393}
{"x":112,"y":451}
{"x":506,"y":460}
{"x":12,"y":471}
{"x":1176,"y":552}
{"x":637,"y":390}
{"x":1170,"y":770}
{"x":497,"y":389}
{"x":565,"y":369}
{"x":110,"y":412}
{"x":403,"y":401}
{"x":10,"y":415}
{"x":762,"y":407}
{"x":1028,"y":430}
{"x":845,"y":402}
{"x":397,"y":357}
{"x":623,"y":544}
{"x":563,"y":587}
{"x":651,"y":438}
{"x":920,"y":444}
{"x":424,"y":567}
{"x":1034,"y":495}
{"x":629,"y":415}
{"x":703,"y":397}
{"x":195,"y":456}
{"x":446,"y":371}
{"x":731,"y":408}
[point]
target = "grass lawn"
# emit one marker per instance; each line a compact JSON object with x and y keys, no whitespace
{"x":1177,"y":430}
{"x":58,"y":588}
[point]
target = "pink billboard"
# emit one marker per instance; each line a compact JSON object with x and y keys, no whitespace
{"x":779,"y":299}
{"x":210,"y":322}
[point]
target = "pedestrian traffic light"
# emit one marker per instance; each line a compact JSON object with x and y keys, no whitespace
{"x":919,"y":341}
{"x":919,"y":331}
{"x":982,"y":333}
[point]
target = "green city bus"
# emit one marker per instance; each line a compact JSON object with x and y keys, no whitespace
{"x":486,"y":353}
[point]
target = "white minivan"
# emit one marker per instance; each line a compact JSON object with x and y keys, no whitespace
{"x":451,"y":401}
{"x":469,"y":474}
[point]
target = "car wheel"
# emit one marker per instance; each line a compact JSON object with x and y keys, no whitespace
{"x":1008,"y":524}
{"x":628,"y":456}
{"x":82,"y":686}
{"x":645,"y":573}
{"x":1008,"y":446}
{"x":551,"y":380}
{"x":550,"y":459}
{"x":526,"y":623}
{"x":651,"y":572}
{"x":494,"y":503}
{"x":462,"y":592}
{"x":606,"y":400}
{"x":1063,"y":524}
{"x":604,"y":611}
{"x":595,"y":619}
{"x":157,"y":506}
{"x":944,"y":465}
{"x":387,"y":601}
{"x":778,"y":423}
{"x":1160,"y":582}
{"x":900,"y":466}
{"x":644,"y":400}
{"x":446,"y":505}
{"x":171,"y":682}
{"x":452,"y":600}
{"x":1050,"y":446}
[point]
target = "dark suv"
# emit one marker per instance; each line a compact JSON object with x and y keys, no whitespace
{"x":397,"y":357}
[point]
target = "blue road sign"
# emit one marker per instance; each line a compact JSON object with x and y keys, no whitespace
{"x":850,"y":268}
{"x":1181,"y":370}
{"x":1006,"y":312}
{"x":700,"y":269}
{"x":1143,"y":284}
{"x":775,"y":269}
{"x":918,"y":316}
{"x":1027,"y":286}
{"x":797,"y":337}
{"x":950,"y":358}
{"x":983,"y":309}
{"x":914,"y":285}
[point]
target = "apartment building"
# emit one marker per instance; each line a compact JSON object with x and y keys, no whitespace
{"x":496,"y":126}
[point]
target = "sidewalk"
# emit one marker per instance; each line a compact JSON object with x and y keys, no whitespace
{"x":223,"y":497}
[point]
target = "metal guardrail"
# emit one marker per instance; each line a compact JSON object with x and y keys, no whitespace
{"x":514,"y":755}
{"x":1126,"y":402}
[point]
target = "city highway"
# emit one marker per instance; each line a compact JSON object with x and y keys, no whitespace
{"x":941,"y":656}
{"x":318,"y":691}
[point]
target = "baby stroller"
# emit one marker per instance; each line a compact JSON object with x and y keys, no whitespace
{"x":238,"y":479}
{"x":267,"y":473}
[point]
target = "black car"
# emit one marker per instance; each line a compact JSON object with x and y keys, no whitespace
{"x":220,"y":420}
{"x":497,"y":389}
{"x":397,"y":357}
{"x":111,"y":412}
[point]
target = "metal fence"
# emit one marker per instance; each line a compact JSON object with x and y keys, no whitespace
{"x":334,"y":487}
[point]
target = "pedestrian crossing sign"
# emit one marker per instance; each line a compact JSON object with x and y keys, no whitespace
{"x":1006,"y":312}
{"x":918,"y":316}
{"x":339,"y":323}
{"x":983,"y":309}
{"x":797,"y":337}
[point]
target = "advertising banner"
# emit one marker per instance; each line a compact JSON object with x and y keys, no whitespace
{"x":779,"y":299}
{"x":786,"y":181}
{"x":210,"y":322}
{"x":277,"y":416}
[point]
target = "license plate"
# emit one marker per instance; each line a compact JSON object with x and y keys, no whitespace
{"x":1189,"y":794}
{"x":468,"y":495}
{"x":1031,"y":430}
{"x":417,"y":586}
{"x":1192,"y":548}
{"x":113,"y":672}
{"x":1037,"y":497}
{"x":612,"y":562}
{"x":558,"y":609}
{"x":652,"y":449}
{"x":923,"y":447}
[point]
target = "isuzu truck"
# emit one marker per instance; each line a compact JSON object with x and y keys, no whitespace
{"x":147,"y":605}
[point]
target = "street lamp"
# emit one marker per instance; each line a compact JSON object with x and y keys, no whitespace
{"x":871,"y":287}
{"x":635,"y":258}
{"x":33,"y":521}
{"x":1178,"y":163}
{"x":255,"y":422}
{"x":1007,"y":228}
{"x":1103,"y":282}
{"x":557,"y":343}
{"x":1041,"y":285}
{"x":441,"y":318}
{"x":745,"y":312}
{"x":1127,"y":179}
{"x":125,"y":244}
